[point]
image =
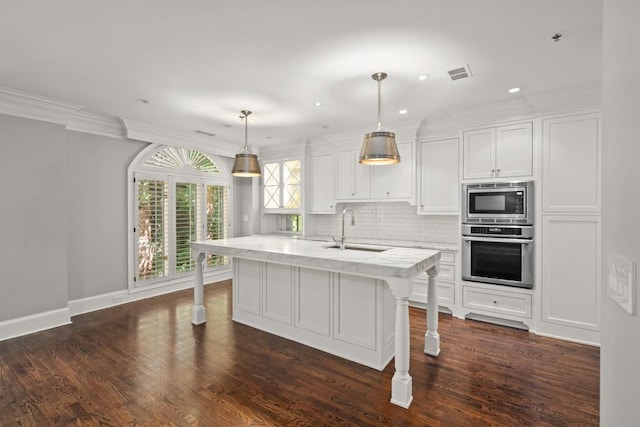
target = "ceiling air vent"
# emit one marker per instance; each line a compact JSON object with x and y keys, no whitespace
{"x":204,"y":133}
{"x":459,"y":73}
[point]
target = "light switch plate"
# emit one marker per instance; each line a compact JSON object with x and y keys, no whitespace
{"x":621,"y":282}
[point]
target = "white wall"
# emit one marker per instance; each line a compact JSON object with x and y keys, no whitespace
{"x":33,"y":217}
{"x":97,"y":211}
{"x":620,"y":352}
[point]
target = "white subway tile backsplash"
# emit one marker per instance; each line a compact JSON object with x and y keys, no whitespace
{"x":391,"y":221}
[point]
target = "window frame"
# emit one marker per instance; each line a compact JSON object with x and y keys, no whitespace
{"x":138,"y":171}
{"x":282,"y":187}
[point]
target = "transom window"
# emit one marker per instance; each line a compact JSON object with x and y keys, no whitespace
{"x":180,"y":196}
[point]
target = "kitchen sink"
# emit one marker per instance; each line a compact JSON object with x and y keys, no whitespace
{"x":358,"y":248}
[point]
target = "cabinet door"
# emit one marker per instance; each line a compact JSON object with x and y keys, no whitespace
{"x":401,"y":177}
{"x":321,"y":185}
{"x":514,"y":150}
{"x":394,"y":181}
{"x":571,"y":164}
{"x":345,"y":175}
{"x":571,"y":271}
{"x":353,"y":180}
{"x":479,"y":153}
{"x":362,"y":178}
{"x":439,"y":187}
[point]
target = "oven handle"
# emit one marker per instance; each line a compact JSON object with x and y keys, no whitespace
{"x":497,"y":239}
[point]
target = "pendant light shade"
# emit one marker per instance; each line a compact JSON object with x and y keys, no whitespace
{"x":246,"y":164}
{"x":379,"y":147}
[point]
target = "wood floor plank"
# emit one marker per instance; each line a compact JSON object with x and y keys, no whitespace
{"x":144,"y":364}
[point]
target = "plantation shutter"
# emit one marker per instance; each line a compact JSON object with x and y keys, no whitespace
{"x":216,"y":227}
{"x":152,"y":229}
{"x":187,"y":208}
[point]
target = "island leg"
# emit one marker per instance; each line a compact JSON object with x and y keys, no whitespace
{"x":431,"y":337}
{"x":401,"y":383}
{"x":199,"y":315}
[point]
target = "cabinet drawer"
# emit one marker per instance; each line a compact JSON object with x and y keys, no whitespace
{"x":501,"y":302}
{"x":448,"y":257}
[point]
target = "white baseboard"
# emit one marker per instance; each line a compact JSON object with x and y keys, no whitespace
{"x":51,"y":319}
{"x":111,"y":299}
{"x":34,"y":323}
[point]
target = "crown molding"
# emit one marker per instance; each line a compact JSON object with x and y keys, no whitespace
{"x":97,"y":124}
{"x":29,"y":106}
{"x":141,"y":131}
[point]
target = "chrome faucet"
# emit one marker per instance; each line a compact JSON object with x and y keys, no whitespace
{"x":353,"y":222}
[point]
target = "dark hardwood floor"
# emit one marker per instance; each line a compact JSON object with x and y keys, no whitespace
{"x":145,"y":364}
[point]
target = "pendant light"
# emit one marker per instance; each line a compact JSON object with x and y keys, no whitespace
{"x":246,"y":164}
{"x":379,"y":147}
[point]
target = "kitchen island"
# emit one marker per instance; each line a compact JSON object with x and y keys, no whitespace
{"x":352,"y":303}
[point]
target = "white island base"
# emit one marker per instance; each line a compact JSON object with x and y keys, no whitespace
{"x":348,"y":303}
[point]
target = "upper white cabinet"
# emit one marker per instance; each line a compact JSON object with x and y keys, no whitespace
{"x":394,"y":181}
{"x":439,"y":177}
{"x":321,"y":185}
{"x":353,"y":180}
{"x":571,"y":164}
{"x":498,"y":152}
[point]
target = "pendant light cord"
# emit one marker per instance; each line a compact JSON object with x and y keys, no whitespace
{"x":379,"y":104}
{"x":245,"y":117}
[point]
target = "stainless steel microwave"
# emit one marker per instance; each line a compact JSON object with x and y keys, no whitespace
{"x":498,"y":202}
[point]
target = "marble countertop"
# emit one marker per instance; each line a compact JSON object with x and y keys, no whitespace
{"x":438,"y":246}
{"x":400,"y":262}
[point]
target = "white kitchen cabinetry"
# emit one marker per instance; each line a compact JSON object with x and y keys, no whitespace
{"x":445,"y":281}
{"x":570,"y":253}
{"x":571,"y":164}
{"x":571,"y":277}
{"x":322,"y":184}
{"x":349,"y":316}
{"x":498,"y":152}
{"x":394,"y":181}
{"x":439,"y":192}
{"x":353,"y":180}
{"x":498,"y":304}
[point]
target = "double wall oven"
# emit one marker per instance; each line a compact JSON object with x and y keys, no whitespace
{"x":498,"y":233}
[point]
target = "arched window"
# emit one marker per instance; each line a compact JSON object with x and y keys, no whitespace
{"x":179,"y":196}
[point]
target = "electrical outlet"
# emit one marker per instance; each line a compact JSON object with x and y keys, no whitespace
{"x":118,"y":300}
{"x":621,"y":282}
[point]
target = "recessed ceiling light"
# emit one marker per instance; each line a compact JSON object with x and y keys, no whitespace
{"x":318,"y":104}
{"x":268,"y":137}
{"x":142,"y":101}
{"x":514,"y":90}
{"x":403,"y":111}
{"x":226,"y":125}
{"x":325,"y":126}
{"x":423,"y":77}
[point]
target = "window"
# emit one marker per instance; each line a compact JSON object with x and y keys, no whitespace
{"x":283,"y":185}
{"x":181,"y":196}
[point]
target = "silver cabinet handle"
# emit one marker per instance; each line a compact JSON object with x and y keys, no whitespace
{"x":496,"y":239}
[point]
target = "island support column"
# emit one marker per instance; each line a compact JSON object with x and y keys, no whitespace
{"x":431,"y":337}
{"x":199,"y":315}
{"x":401,"y":383}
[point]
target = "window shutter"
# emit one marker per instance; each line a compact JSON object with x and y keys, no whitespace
{"x":152,"y":229}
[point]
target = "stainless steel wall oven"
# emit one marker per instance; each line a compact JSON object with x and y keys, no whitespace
{"x":498,"y":233}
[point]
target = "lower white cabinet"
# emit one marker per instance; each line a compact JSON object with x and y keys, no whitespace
{"x":570,"y":282}
{"x":499,"y":304}
{"x":349,"y":316}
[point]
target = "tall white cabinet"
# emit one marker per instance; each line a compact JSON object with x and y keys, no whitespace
{"x":570,"y":228}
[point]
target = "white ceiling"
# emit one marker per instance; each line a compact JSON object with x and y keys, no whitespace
{"x":200,"y":62}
